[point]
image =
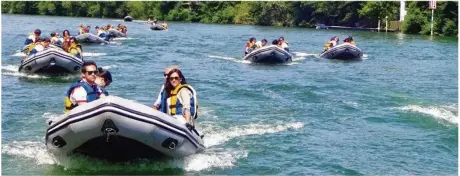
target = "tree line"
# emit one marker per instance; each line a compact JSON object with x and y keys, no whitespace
{"x":288,"y":14}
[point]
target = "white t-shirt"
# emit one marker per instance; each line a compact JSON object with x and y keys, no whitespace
{"x":334,"y":42}
{"x":39,"y":48}
{"x":259,"y":44}
{"x":158,"y":101}
{"x":284,"y":45}
{"x":79,"y":94}
{"x":54,"y":39}
{"x":32,"y":37}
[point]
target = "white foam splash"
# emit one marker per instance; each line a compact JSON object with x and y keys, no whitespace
{"x":300,"y":54}
{"x":230,"y":59}
{"x":224,"y":135}
{"x":19,"y":54}
{"x":351,"y":103}
{"x":11,"y":68}
{"x":365,"y":56}
{"x":114,"y":43}
{"x":88,"y":54}
{"x":50,"y":116}
{"x":110,"y":66}
{"x":447,"y":114}
{"x":122,"y":38}
{"x":18,"y":74}
{"x":37,"y":152}
{"x":34,"y":150}
{"x":298,"y":58}
{"x":204,"y":161}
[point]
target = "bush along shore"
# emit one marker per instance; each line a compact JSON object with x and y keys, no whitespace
{"x":288,"y":14}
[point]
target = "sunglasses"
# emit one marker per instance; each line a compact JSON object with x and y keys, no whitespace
{"x":174,"y":78}
{"x":92,"y":72}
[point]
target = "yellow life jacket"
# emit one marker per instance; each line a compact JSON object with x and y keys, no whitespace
{"x":173,"y":105}
{"x":353,"y":43}
{"x":327,"y":45}
{"x":29,"y":48}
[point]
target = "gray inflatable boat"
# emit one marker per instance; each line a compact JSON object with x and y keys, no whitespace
{"x":119,"y":129}
{"x":51,"y":61}
{"x":157,"y":27}
{"x":270,"y":55}
{"x":116,"y":33}
{"x":90,"y":38}
{"x":344,"y":51}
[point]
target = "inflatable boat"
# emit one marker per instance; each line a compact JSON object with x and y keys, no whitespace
{"x":269,"y":54}
{"x":157,"y":27}
{"x":53,"y":60}
{"x":128,"y":18}
{"x":119,"y":129}
{"x":90,"y":38}
{"x":344,"y":51}
{"x":116,"y":33}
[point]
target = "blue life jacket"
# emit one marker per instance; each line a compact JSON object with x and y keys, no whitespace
{"x":91,"y":94}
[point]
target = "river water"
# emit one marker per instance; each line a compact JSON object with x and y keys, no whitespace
{"x":395,"y":112}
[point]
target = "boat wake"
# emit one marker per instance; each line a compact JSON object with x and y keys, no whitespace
{"x":12,"y":70}
{"x":230,"y":59}
{"x":443,"y":113}
{"x":122,"y":38}
{"x":214,"y":156}
{"x":89,"y":54}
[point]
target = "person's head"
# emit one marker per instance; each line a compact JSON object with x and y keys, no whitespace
{"x":37,"y":32}
{"x":168,"y":69}
{"x":46,"y":42}
{"x":264,"y":42}
{"x":275,"y":42}
{"x":173,"y":79}
{"x":66,"y":33}
{"x":88,"y":27}
{"x":350,"y":38}
{"x":73,"y":40}
{"x":89,"y":71}
{"x":103,"y":77}
{"x":53,"y":34}
{"x":281,"y":40}
{"x":81,"y":25}
{"x":252,"y":40}
{"x":97,"y":28}
{"x":118,"y":25}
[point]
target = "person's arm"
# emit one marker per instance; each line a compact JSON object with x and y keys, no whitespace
{"x":156,"y":105}
{"x":185,"y":95}
{"x":78,"y":95}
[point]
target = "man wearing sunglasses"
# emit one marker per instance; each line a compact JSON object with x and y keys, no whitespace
{"x":156,"y":105}
{"x":84,"y":91}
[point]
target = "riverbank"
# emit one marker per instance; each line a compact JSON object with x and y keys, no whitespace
{"x":287,"y":14}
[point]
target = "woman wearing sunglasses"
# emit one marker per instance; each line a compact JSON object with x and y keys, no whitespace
{"x":157,"y":103}
{"x":75,"y":48}
{"x":179,"y":98}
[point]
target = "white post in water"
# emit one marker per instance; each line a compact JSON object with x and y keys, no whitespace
{"x":378,"y":27}
{"x":432,"y":6}
{"x":386,"y":24}
{"x":432,"y":15}
{"x":402,"y":10}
